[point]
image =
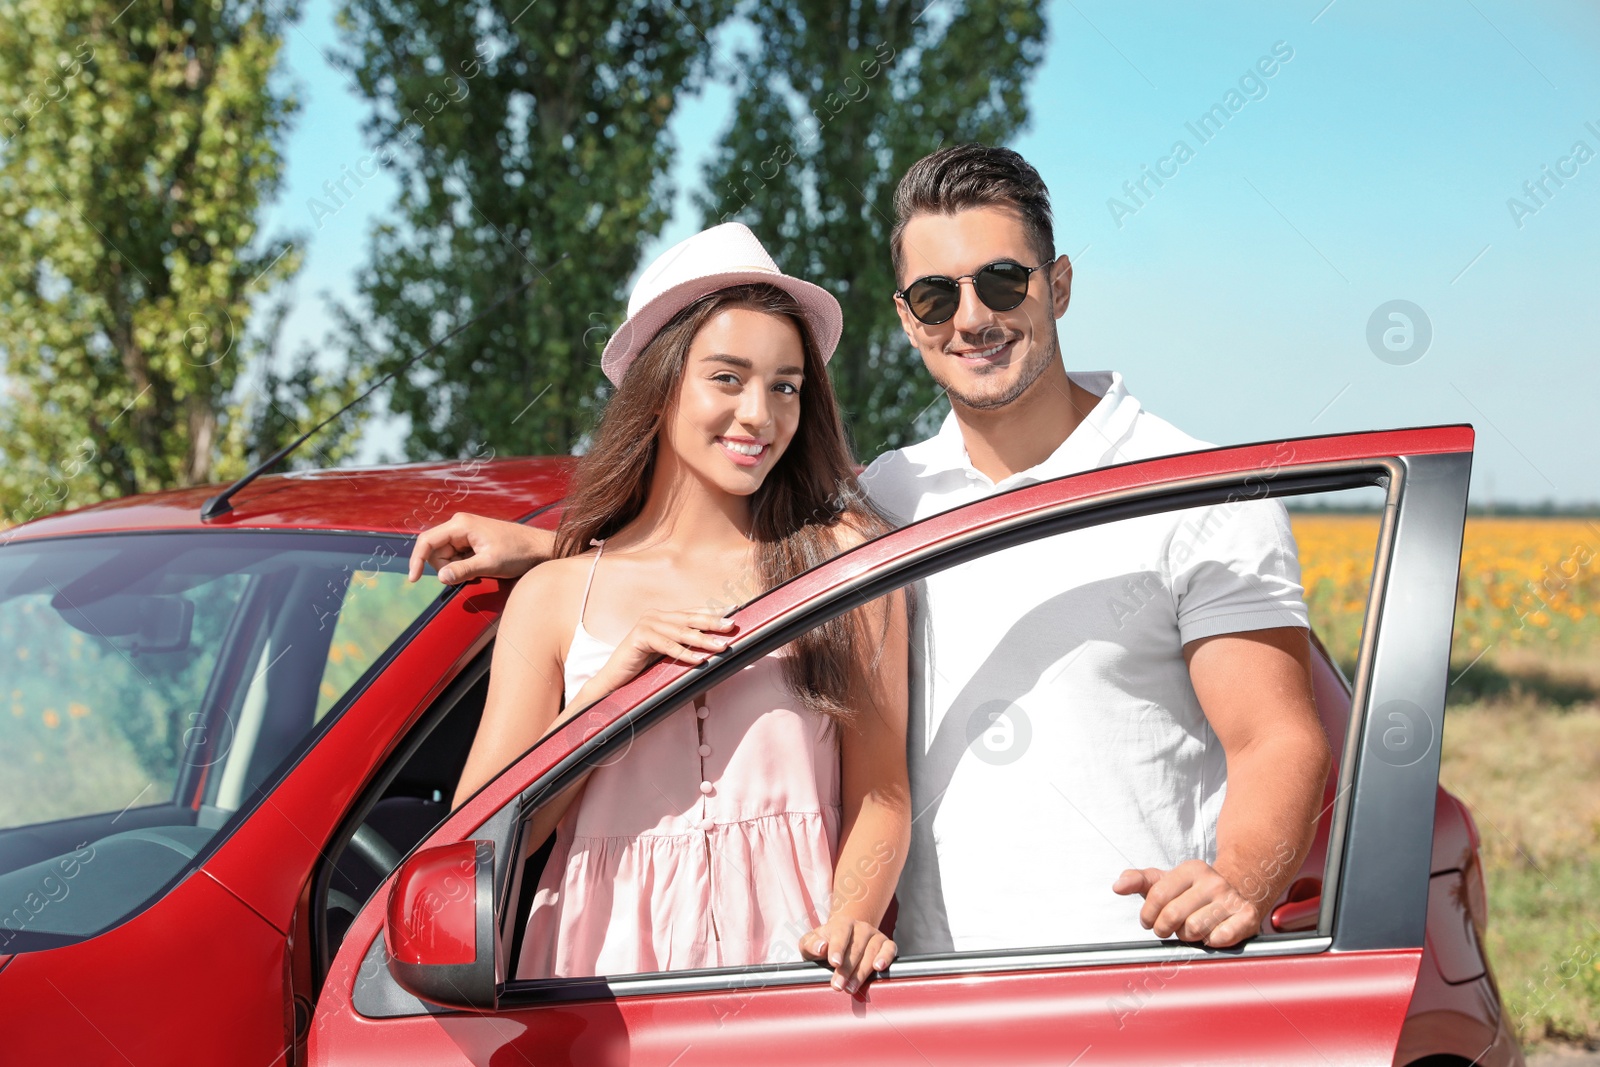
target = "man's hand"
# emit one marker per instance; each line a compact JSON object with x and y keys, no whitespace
{"x":1255,"y":689}
{"x":1193,"y":902}
{"x":471,"y":546}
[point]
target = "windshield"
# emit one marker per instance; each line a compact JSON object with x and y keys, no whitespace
{"x":151,"y":683}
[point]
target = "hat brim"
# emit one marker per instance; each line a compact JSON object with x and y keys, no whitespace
{"x":817,"y":306}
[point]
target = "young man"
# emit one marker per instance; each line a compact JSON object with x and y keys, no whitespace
{"x":1182,"y":749}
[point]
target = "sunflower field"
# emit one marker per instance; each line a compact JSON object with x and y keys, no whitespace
{"x":1527,"y":584}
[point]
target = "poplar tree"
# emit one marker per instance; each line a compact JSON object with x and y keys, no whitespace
{"x":835,"y":102}
{"x":139,"y":147}
{"x":520,"y":132}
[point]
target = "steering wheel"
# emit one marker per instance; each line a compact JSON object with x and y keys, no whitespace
{"x":371,"y":847}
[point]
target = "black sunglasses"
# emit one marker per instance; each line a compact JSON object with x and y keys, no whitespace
{"x":1002,"y":286}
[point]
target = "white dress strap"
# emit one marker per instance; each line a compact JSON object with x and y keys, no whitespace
{"x":587,"y":585}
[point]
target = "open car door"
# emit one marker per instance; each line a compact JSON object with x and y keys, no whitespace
{"x":1328,"y":980}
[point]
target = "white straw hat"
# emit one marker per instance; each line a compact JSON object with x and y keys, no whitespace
{"x":718,"y":258}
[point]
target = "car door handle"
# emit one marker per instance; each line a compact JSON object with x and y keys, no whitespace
{"x":1301,"y":910}
{"x":1296,"y":915}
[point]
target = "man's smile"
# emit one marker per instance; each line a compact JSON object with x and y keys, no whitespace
{"x":987,"y":356}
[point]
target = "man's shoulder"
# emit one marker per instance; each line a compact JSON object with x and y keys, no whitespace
{"x":1153,"y":436}
{"x":896,"y":480}
{"x":903,"y":462}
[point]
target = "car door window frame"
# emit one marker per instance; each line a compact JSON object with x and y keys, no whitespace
{"x":1392,"y":473}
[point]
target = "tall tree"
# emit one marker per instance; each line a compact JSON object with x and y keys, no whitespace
{"x":140,"y":147}
{"x":521,"y":131}
{"x":835,"y":101}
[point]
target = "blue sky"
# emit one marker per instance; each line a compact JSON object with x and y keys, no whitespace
{"x":1375,"y":164}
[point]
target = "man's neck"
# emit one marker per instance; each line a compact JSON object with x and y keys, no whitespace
{"x":1027,"y":431}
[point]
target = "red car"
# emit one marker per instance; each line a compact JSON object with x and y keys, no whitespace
{"x":225,"y":836}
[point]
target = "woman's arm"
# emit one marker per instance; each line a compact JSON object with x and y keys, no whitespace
{"x":876,"y":828}
{"x":525,"y":681}
{"x":526,"y":676}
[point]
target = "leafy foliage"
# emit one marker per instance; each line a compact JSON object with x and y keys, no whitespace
{"x":836,"y":102}
{"x":140,"y":147}
{"x":521,"y":132}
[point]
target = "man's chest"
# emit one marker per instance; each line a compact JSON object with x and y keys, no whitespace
{"x":1076,"y":633}
{"x":1105,"y":583}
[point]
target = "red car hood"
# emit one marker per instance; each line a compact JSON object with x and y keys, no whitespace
{"x":404,"y":499}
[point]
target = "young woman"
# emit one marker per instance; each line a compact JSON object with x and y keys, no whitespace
{"x":773,"y":814}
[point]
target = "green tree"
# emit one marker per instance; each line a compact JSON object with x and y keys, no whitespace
{"x":520,"y":131}
{"x":139,"y":149}
{"x":835,"y":102}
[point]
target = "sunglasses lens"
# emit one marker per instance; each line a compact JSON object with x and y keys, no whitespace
{"x":933,"y":300}
{"x":1002,"y":286}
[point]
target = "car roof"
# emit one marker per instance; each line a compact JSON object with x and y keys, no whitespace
{"x":403,"y":498}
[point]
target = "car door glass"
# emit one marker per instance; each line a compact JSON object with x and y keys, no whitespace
{"x":1056,"y":739}
{"x":1060,"y":740}
{"x":101,"y":702}
{"x":705,"y":840}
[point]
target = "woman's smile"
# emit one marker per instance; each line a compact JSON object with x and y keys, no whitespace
{"x":745,"y":451}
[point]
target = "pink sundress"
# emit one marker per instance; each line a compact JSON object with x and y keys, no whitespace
{"x":709,"y":842}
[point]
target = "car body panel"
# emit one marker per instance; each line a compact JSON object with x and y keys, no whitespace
{"x":197,"y":979}
{"x":1288,"y":1008}
{"x":1456,"y":1008}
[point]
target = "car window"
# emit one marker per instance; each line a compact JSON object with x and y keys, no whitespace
{"x":1055,"y":742}
{"x":1059,"y":720}
{"x":154,"y":683}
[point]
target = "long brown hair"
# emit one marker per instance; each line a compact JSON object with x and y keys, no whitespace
{"x":810,"y":491}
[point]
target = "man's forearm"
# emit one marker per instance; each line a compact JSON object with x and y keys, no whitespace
{"x":539,"y":545}
{"x":1270,"y":813}
{"x":468,"y":547}
{"x":515,"y":550}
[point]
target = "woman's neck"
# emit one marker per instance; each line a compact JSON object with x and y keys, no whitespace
{"x":682,"y":510}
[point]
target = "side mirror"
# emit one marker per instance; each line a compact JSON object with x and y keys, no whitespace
{"x":439,"y":930}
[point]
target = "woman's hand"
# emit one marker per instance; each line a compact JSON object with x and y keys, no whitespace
{"x":854,"y":948}
{"x":685,"y":636}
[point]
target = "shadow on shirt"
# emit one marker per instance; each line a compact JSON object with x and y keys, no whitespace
{"x":1072,"y":619}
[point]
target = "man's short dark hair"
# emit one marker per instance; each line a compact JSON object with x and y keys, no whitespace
{"x":966,"y":176}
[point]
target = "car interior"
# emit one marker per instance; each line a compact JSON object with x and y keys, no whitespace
{"x":227,"y":755}
{"x":407,"y":798}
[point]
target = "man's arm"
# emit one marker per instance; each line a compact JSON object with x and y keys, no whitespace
{"x":471,"y":546}
{"x":1255,"y":689}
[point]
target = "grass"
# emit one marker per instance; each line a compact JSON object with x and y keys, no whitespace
{"x":1522,"y":748}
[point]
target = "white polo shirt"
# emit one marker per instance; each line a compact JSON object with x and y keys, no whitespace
{"x":1055,"y":738}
